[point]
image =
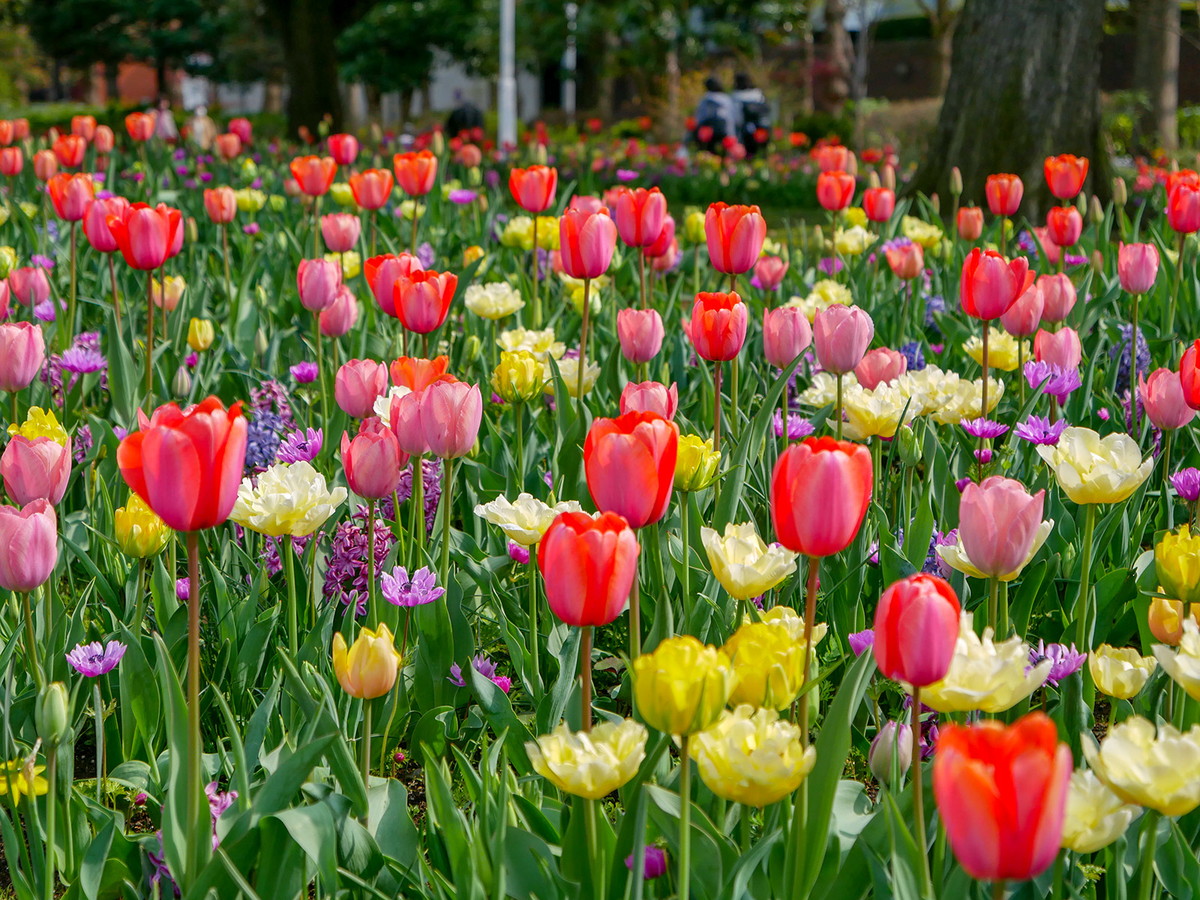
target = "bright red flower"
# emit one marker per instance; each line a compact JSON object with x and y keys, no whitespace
{"x":630,"y":465}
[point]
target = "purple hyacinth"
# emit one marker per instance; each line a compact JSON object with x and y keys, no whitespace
{"x":96,"y":659}
{"x":983,"y":428}
{"x":1187,"y":484}
{"x":1064,"y":660}
{"x":798,"y":426}
{"x":426,"y":254}
{"x":262,"y":440}
{"x":913,"y":355}
{"x":272,"y":395}
{"x":304,"y":372}
{"x":346,"y":566}
{"x":1039,"y":430}
{"x":934,"y":306}
{"x":301,"y":446}
{"x":861,"y":641}
{"x":934,"y":564}
{"x":654,"y":863}
{"x":399,"y":589}
{"x":432,"y":481}
{"x":82,"y":443}
{"x":1120,"y":353}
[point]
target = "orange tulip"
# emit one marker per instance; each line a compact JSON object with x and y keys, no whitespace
{"x":415,"y":172}
{"x":630,"y":465}
{"x":69,"y":149}
{"x":140,"y":126}
{"x":735,"y":236}
{"x":1065,"y":174}
{"x":70,"y":195}
{"x":588,"y":566}
{"x":835,"y":190}
{"x":313,"y":174}
{"x":533,"y":188}
{"x":372,"y":188}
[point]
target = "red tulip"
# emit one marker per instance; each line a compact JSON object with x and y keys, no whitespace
{"x":6,"y":132}
{"x":45,"y":164}
{"x":69,"y":150}
{"x":140,"y":125}
{"x":1064,"y":224}
{"x":533,"y":188}
{"x":1189,"y":375}
{"x":588,"y":566}
{"x":415,"y":172}
{"x":640,"y":332}
{"x":422,"y":299}
{"x":187,"y":465}
{"x":12,"y":161}
{"x":313,"y":174}
{"x":820,"y":491}
{"x":1004,"y":193}
{"x":372,"y":188}
{"x":630,"y":465}
{"x":650,"y":396}
{"x":37,"y":469}
{"x":970,"y":223}
{"x":372,"y":460}
{"x":95,"y":222}
{"x":343,"y":148}
{"x":835,"y":190}
{"x":786,"y":334}
{"x":382,"y":272}
{"x":1183,"y":208}
{"x":229,"y":145}
{"x":358,"y":384}
{"x":146,"y":236}
{"x":990,"y":284}
{"x":1065,"y":175}
{"x":1002,"y":794}
{"x":735,"y":236}
{"x":639,"y":215}
{"x":657,"y":250}
{"x":834,"y":158}
{"x":22,"y":353}
{"x":242,"y":128}
{"x":70,"y":195}
{"x":28,"y":546}
{"x":916,"y":628}
{"x":718,"y":325}
{"x":586,"y":242}
{"x":879,"y":203}
{"x":221,"y":204}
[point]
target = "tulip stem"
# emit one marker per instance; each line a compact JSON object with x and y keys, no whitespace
{"x":684,"y":535}
{"x":733,"y":397}
{"x":374,"y":604}
{"x":149,"y":334}
{"x":1133,"y":373}
{"x":31,"y":640}
{"x":416,"y":219}
{"x":685,"y":819}
{"x":537,"y":280}
{"x":1083,"y":627}
{"x":583,"y":343}
{"x":1150,"y":844}
{"x":51,"y":804}
{"x":983,"y":399}
{"x":70,"y":323}
{"x":585,"y":678}
{"x":810,"y":614}
{"x":98,"y":703}
{"x":417,"y":499}
{"x":234,"y":298}
{"x":918,"y":792}
{"x":837,"y":409}
{"x":447,"y":490}
{"x":199,"y":832}
{"x":518,"y":414}
{"x":112,"y":278}
{"x":1174,"y":295}
{"x":16,"y":410}
{"x":998,"y":890}
{"x":591,"y":810}
{"x":1166,"y":476}
{"x":717,"y":406}
{"x":993,"y":604}
{"x":286,"y":551}
{"x":365,"y":762}
{"x":534,"y":636}
{"x":320,"y":368}
{"x":635,"y":612}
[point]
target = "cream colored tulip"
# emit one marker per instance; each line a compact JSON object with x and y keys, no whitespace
{"x":985,"y":675}
{"x":494,"y":300}
{"x":768,"y":666}
{"x":744,"y":564}
{"x":1095,"y":816}
{"x":541,"y":344}
{"x":965,"y":401}
{"x":1183,"y":666}
{"x":526,"y":519}
{"x":592,"y":763}
{"x":1160,"y":770}
{"x":568,"y":369}
{"x":288,"y":499}
{"x":1120,"y":672}
{"x":1091,"y":469}
{"x":876,"y":413}
{"x":751,"y":756}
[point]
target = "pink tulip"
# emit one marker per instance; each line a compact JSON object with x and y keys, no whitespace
{"x":1137,"y":267}
{"x":358,"y":384}
{"x":1162,"y":395}
{"x":382,"y":273}
{"x":95,"y":222}
{"x":1051,"y":250}
{"x":882,"y":365}
{"x":998,"y":521}
{"x":22,"y":353}
{"x":450,"y":416}
{"x":318,"y":281}
{"x":786,"y":334}
{"x":1059,"y":348}
{"x":340,"y":231}
{"x":28,"y":545}
{"x":1024,"y":316}
{"x":586,"y":243}
{"x":586,"y":203}
{"x":661,"y":245}
{"x":35,"y":469}
{"x":670,"y":258}
{"x":641,"y":334}
{"x":1058,"y":295}
{"x":650,"y":396}
{"x":639,"y":214}
{"x":406,"y":423}
{"x":906,"y":260}
{"x":340,"y":316}
{"x":5,"y":299}
{"x":30,"y":284}
{"x":990,"y":284}
{"x":769,"y":271}
{"x":841,"y":335}
{"x":372,"y":460}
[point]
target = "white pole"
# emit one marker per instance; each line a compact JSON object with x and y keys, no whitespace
{"x":507,"y":88}
{"x":570,"y":58}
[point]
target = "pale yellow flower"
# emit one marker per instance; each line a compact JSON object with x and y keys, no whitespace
{"x":823,"y":389}
{"x":752,"y":756}
{"x":1183,"y":666}
{"x":287,"y":499}
{"x":928,"y":388}
{"x":985,"y":675}
{"x":569,"y":370}
{"x":744,"y":564}
{"x":1120,"y":671}
{"x":825,"y":293}
{"x":966,"y":401}
{"x":768,"y":665}
{"x":855,"y":216}
{"x":955,"y":555}
{"x":1003,"y":352}
{"x":786,"y":617}
{"x":1091,"y":469}
{"x":1095,"y":815}
{"x":494,"y":300}
{"x":876,"y":413}
{"x":343,"y":195}
{"x":852,"y":241}
{"x":918,"y":231}
{"x":540,"y":343}
{"x":410,"y":209}
{"x":525,"y":519}
{"x":382,"y":406}
{"x":350,"y":262}
{"x":592,"y":763}
{"x":250,"y":200}
{"x":1159,"y":771}
{"x":518,"y":233}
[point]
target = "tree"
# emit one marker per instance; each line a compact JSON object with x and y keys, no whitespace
{"x":1024,"y":85}
{"x":165,"y":33}
{"x":942,"y":15}
{"x":1156,"y":69}
{"x":79,"y":33}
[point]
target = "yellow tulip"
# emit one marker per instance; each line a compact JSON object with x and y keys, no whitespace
{"x":8,"y":256}
{"x":693,"y":227}
{"x":852,"y":241}
{"x":787,"y":618}
{"x":742,"y":561}
{"x":1095,"y":815}
{"x":1091,"y":469}
{"x":963,"y":399}
{"x":876,"y":413}
{"x":526,"y":519}
{"x":985,"y":675}
{"x":250,"y":200}
{"x":139,"y":532}
{"x":1183,"y":666}
{"x":592,"y":763}
{"x":350,"y":262}
{"x":286,"y":499}
{"x":494,"y":300}
{"x":683,"y":685}
{"x":825,"y":293}
{"x":1120,"y":671}
{"x":20,"y":777}
{"x":40,"y":423}
{"x":368,"y":669}
{"x":343,"y":195}
{"x":547,"y":233}
{"x":768,"y":665}
{"x":752,"y":756}
{"x":1003,"y":350}
{"x":1177,"y":561}
{"x":473,"y":253}
{"x":541,"y":344}
{"x":518,"y":233}
{"x":200,"y":334}
{"x":1159,"y":771}
{"x":696,"y":463}
{"x":919,"y":231}
{"x":410,"y":209}
{"x":519,"y":376}
{"x":855,"y":215}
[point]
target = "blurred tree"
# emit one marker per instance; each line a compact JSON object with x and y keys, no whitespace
{"x":165,"y":33}
{"x":1156,"y":69}
{"x":1024,"y":85}
{"x":943,"y":16}
{"x":249,"y":48}
{"x":76,"y":34}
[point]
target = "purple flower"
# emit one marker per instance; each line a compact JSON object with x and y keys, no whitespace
{"x":251,"y":228}
{"x":1041,"y":431}
{"x":44,"y":311}
{"x":518,"y":554}
{"x":961,"y":484}
{"x":80,"y":360}
{"x":183,"y":589}
{"x":206,"y":177}
{"x":912,"y":353}
{"x":934,"y":564}
{"x":96,"y":659}
{"x":654,"y":863}
{"x":44,"y":261}
{"x":624,"y":175}
{"x":83,"y":443}
{"x":1051,"y":379}
{"x":346,"y":566}
{"x":492,"y":177}
{"x":192,"y":359}
{"x":1187,"y":484}
{"x":484,"y":667}
{"x":983,"y":428}
{"x":305,"y":372}
{"x":984,"y":456}
{"x":1064,"y":660}
{"x":426,"y":255}
{"x":830,"y":265}
{"x":301,"y":446}
{"x":462,"y":196}
{"x":861,"y":641}
{"x":1104,"y":414}
{"x":798,"y":426}
{"x":400,"y":590}
{"x":218,"y":801}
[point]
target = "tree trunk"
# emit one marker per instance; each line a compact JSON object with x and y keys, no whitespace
{"x":671,"y":126}
{"x":943,"y":48}
{"x":160,"y":77}
{"x":1024,"y":85}
{"x":808,"y":58}
{"x":111,"y":88}
{"x":1156,"y":71}
{"x":837,"y":89}
{"x":311,"y":61}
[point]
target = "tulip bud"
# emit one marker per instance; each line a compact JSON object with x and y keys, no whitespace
{"x":907,"y":446}
{"x":181,"y":384}
{"x":889,"y":177}
{"x":936,"y":203}
{"x":1120,"y":191}
{"x":1165,"y":619}
{"x":539,"y":154}
{"x":138,"y":531}
{"x":519,"y":376}
{"x":873,"y":180}
{"x":193,"y":232}
{"x":891,"y":747}
{"x":1095,"y":210}
{"x":260,"y":342}
{"x":200,"y":334}
{"x":52,"y":714}
{"x":956,"y":185}
{"x":696,"y":463}
{"x":472,"y":349}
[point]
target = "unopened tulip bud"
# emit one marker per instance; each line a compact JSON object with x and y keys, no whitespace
{"x":873,"y":180}
{"x":193,"y":232}
{"x":1165,"y":619}
{"x":907,"y":445}
{"x":1120,"y":191}
{"x":260,"y":342}
{"x":472,"y":349}
{"x":200,"y":334}
{"x":181,"y":384}
{"x":956,"y":185}
{"x":891,"y":751}
{"x":889,"y":177}
{"x":1096,"y":210}
{"x":52,"y":714}
{"x":936,"y":203}
{"x":539,"y":154}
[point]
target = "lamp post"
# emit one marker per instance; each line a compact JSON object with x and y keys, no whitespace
{"x":507,"y":87}
{"x":569,"y":62}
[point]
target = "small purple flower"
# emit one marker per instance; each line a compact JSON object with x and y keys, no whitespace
{"x":1187,"y":484}
{"x":305,"y":372}
{"x":548,"y":477}
{"x":120,"y":433}
{"x":83,"y":443}
{"x":206,"y":177}
{"x":101,"y":195}
{"x":984,"y":456}
{"x":44,"y":311}
{"x":44,"y":261}
{"x":518,"y":554}
{"x":1064,"y":660}
{"x":861,"y":641}
{"x":830,"y":265}
{"x":400,"y":590}
{"x":426,"y":254}
{"x":1104,"y":414}
{"x":218,"y":801}
{"x":80,"y":360}
{"x":961,"y":484}
{"x":983,"y":428}
{"x":625,"y":175}
{"x":181,"y":170}
{"x":301,"y":446}
{"x":183,"y":589}
{"x":484,"y":667}
{"x":192,"y":359}
{"x":96,"y":659}
{"x":934,"y":564}
{"x":798,"y":426}
{"x":492,"y":177}
{"x":1051,"y":379}
{"x":251,"y":228}
{"x":1039,"y":430}
{"x":654,"y":863}
{"x":462,"y":196}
